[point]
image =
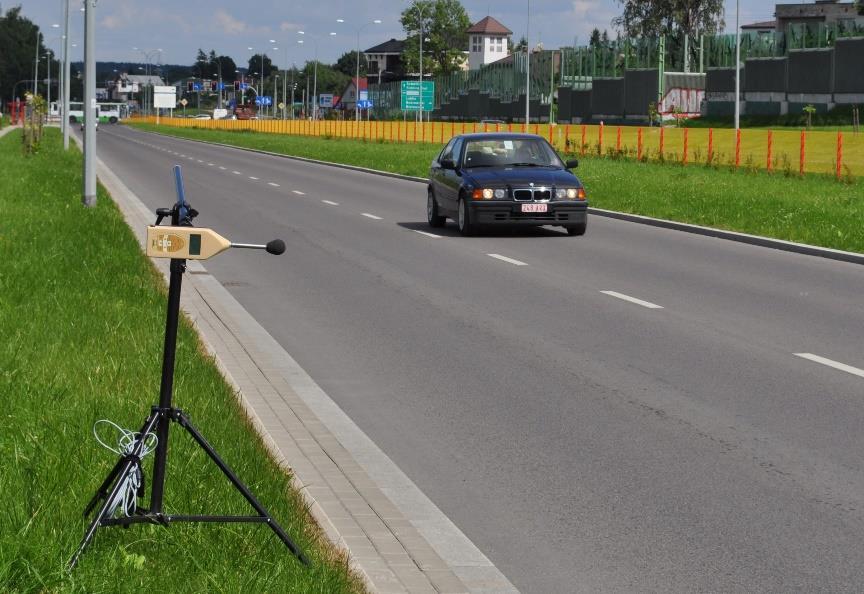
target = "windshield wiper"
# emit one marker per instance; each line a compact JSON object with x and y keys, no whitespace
{"x":481,"y":165}
{"x":526,"y":165}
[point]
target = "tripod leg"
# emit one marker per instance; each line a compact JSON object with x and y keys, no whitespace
{"x":94,"y":524}
{"x":226,"y":470}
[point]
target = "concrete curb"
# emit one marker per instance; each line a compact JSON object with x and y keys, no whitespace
{"x":396,"y":538}
{"x":757,"y":240}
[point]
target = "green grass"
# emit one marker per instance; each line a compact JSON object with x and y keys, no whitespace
{"x":815,"y":209}
{"x":82,"y":319}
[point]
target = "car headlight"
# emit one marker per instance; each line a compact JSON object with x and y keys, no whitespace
{"x":570,"y":194}
{"x":488,"y":194}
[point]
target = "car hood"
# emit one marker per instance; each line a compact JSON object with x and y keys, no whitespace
{"x":520,"y":176}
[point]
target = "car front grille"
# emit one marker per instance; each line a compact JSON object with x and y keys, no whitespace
{"x":529,"y":194}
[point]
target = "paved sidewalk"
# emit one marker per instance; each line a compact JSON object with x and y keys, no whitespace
{"x":397,"y":539}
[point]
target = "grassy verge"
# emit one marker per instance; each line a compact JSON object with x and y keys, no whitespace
{"x":816,"y":210}
{"x":82,"y":316}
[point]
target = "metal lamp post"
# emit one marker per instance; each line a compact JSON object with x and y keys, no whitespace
{"x":422,"y":15}
{"x":148,"y":55}
{"x":357,"y":80}
{"x":737,"y":69}
{"x":66,"y":72}
{"x":315,"y":72}
{"x":528,"y":67}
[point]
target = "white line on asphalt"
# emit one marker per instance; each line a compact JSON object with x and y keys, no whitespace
{"x":371,"y":216}
{"x":253,"y":177}
{"x":272,"y":184}
{"x":647,"y":304}
{"x":222,"y":168}
{"x":299,"y":193}
{"x":330,"y":202}
{"x":506,"y":259}
{"x":432,"y":235}
{"x":210,"y":164}
{"x":199,"y":160}
{"x":236,"y":173}
{"x":180,"y":155}
{"x":830,"y":363}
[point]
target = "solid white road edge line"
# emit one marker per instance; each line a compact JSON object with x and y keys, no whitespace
{"x":506,"y":259}
{"x":647,"y":304}
{"x":432,"y":235}
{"x":830,"y":363}
{"x":371,"y":216}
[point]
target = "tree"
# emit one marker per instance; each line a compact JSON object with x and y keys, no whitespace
{"x":347,"y":64}
{"x":224,"y":65}
{"x":445,"y":24}
{"x":18,"y":50}
{"x":651,"y":18}
{"x":330,"y":80}
{"x":594,"y":40}
{"x":255,"y":65}
{"x":520,"y":47}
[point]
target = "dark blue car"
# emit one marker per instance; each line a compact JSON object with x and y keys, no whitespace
{"x":504,"y":179}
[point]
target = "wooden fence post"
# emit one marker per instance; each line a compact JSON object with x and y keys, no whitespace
{"x":710,"y":145}
{"x":737,"y":148}
{"x":582,"y":146}
{"x":686,"y":143}
{"x":768,"y":164}
{"x":639,"y":145}
{"x":662,"y":141}
{"x":600,"y":140}
{"x":839,"y":153}
{"x":618,"y":141}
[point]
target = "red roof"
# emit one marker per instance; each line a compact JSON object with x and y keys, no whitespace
{"x":490,"y":26}
{"x":363,"y":82}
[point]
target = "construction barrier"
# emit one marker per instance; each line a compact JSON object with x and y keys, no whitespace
{"x":823,"y":152}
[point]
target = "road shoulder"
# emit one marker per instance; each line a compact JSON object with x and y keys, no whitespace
{"x":397,"y":539}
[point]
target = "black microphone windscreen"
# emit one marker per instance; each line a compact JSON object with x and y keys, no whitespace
{"x":277,"y":246}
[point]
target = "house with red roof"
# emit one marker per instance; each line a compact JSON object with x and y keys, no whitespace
{"x":349,"y":95}
{"x":488,"y":41}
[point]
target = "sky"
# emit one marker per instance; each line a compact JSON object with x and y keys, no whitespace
{"x":180,"y":28}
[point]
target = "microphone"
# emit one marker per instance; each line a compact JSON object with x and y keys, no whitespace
{"x":277,"y":247}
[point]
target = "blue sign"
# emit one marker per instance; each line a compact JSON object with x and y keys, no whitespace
{"x":220,"y":86}
{"x":365,"y":104}
{"x":197,"y":86}
{"x":244,"y":86}
{"x":265,"y":100}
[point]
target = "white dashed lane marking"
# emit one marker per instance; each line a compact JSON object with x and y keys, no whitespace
{"x":432,"y":235}
{"x":272,"y":184}
{"x":371,"y":216}
{"x":236,"y":173}
{"x":508,"y":260}
{"x":299,"y":193}
{"x":222,"y":168}
{"x":647,"y":304}
{"x":330,"y":202}
{"x":253,"y":177}
{"x":830,"y":363}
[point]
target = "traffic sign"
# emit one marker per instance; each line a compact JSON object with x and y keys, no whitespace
{"x":265,"y":100}
{"x":411,"y":95}
{"x":281,"y":105}
{"x":325,"y":100}
{"x":365,"y":104}
{"x":183,"y":102}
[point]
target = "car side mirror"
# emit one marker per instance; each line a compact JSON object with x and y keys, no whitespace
{"x":448,"y":163}
{"x":572,"y":164}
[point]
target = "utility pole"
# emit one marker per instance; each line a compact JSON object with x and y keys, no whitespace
{"x":36,"y":67}
{"x":737,"y":69}
{"x":90,"y":117}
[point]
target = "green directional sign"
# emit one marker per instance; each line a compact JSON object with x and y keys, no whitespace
{"x":411,"y":95}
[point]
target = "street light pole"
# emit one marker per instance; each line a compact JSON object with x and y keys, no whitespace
{"x":66,"y":71}
{"x":89,"y":197}
{"x":528,"y":67}
{"x":36,"y":67}
{"x":737,"y":69}
{"x":357,"y":80}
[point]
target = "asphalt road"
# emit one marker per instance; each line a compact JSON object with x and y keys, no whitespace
{"x":626,"y":411}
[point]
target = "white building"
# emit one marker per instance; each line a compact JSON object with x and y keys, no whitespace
{"x":488,"y":41}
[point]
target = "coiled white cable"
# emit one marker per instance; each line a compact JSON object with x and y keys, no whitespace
{"x":127,"y":496}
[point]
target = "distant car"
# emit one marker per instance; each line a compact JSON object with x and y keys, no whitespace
{"x":203,"y":116}
{"x":504,"y":179}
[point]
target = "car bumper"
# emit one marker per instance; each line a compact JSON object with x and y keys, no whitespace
{"x":509,"y":213}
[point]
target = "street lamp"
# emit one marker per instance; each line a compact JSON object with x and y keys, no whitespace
{"x":422,"y":15}
{"x":357,"y":80}
{"x":315,"y":75}
{"x":148,"y":55}
{"x":528,"y":67}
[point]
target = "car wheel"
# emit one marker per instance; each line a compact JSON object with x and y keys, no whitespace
{"x":577,"y":229}
{"x":435,"y":220}
{"x":73,"y":120}
{"x":112,"y":120}
{"x":463,"y":219}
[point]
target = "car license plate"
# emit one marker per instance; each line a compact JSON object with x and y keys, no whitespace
{"x":534,"y":207}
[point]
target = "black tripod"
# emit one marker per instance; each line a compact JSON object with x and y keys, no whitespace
{"x":160,"y":419}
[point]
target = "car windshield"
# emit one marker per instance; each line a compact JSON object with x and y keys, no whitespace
{"x":510,"y":152}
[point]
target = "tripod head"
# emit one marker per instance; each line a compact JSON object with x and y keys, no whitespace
{"x":182,"y":241}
